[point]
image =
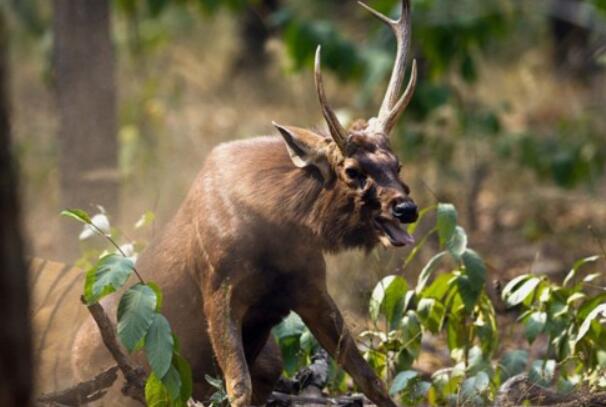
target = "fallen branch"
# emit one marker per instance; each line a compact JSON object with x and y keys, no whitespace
{"x":285,"y":400}
{"x":94,"y":389}
{"x":84,"y":392}
{"x":134,"y":375}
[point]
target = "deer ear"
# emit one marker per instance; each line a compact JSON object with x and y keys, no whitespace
{"x":306,"y":148}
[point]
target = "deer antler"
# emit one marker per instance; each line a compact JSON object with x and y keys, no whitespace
{"x":337,"y":132}
{"x":392,"y":106}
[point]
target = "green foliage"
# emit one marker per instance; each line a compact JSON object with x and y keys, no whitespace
{"x":140,"y":323}
{"x":109,"y":274}
{"x":451,"y":303}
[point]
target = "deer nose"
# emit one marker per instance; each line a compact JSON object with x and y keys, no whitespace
{"x":405,"y":211}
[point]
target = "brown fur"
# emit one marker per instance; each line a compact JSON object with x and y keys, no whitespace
{"x":245,"y":248}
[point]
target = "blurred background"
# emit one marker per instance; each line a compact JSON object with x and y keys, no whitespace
{"x":116,"y":103}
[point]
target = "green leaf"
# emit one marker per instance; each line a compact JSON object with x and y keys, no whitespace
{"x":401,"y":381}
{"x":475,"y":385}
{"x":388,"y":299}
{"x":518,"y":295}
{"x":513,"y":283}
{"x":513,"y":363}
{"x":535,"y":324}
{"x":109,"y":274}
{"x":159,"y":295}
{"x":447,"y":221}
{"x":471,"y":282}
{"x":185,"y":374}
{"x":292,"y":325}
{"x":77,"y":214}
{"x":596,"y":312}
{"x":159,"y":345}
{"x":172,"y":381}
{"x":542,"y":372}
{"x":428,"y":270}
{"x":156,"y":394}
{"x":457,"y":244}
{"x":431,"y":314}
{"x":576,"y":267}
{"x":411,"y":333}
{"x":440,"y":287}
{"x":135,"y":314}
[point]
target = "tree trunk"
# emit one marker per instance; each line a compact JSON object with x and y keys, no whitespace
{"x":15,"y":334}
{"x":86,"y":98}
{"x":254,"y":32}
{"x":571,"y":40}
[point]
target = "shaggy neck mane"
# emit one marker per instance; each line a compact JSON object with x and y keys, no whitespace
{"x":331,"y":213}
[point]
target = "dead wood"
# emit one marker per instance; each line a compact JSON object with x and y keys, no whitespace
{"x":96,"y":388}
{"x":84,"y":392}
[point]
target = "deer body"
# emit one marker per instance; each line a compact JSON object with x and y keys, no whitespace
{"x":246,"y":247}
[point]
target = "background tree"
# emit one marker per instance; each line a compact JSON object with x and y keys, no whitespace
{"x":86,"y":98}
{"x":15,"y":343}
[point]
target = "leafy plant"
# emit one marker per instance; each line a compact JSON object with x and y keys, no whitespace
{"x":570,"y":318}
{"x":141,"y":325}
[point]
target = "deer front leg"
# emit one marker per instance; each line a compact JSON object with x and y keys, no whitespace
{"x":224,"y":327}
{"x":324,"y":320}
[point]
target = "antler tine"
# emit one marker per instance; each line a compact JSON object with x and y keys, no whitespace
{"x":392,"y":105}
{"x":404,"y":100}
{"x":337,"y":132}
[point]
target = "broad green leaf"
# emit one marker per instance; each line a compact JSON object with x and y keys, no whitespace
{"x":471,"y":283}
{"x":575,"y":297}
{"x":172,"y":381}
{"x":428,"y":270}
{"x":431,"y":313}
{"x":109,"y":274}
{"x":156,"y":394}
{"x":457,"y":244}
{"x":77,"y":214}
{"x":535,"y":324}
{"x":446,"y":222}
{"x":575,"y":269}
{"x":513,"y":363}
{"x":474,"y":267}
{"x":542,"y":372}
{"x":518,"y":295}
{"x":513,"y":283}
{"x":135,"y":314}
{"x":159,"y":345}
{"x":185,"y":374}
{"x":401,"y":381}
{"x":600,"y":310}
{"x":308,"y":342}
{"x":591,"y":277}
{"x":440,"y":287}
{"x":159,"y":295}
{"x":292,"y":325}
{"x":475,"y":386}
{"x":388,"y":299}
{"x":411,"y":333}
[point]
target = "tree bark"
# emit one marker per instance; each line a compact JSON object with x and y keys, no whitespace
{"x":86,"y":99}
{"x":15,"y":334}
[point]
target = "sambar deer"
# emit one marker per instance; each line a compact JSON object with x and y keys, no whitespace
{"x":246,"y":247}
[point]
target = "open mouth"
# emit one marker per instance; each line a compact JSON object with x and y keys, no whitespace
{"x":393,"y":233}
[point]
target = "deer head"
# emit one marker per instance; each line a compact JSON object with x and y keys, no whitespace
{"x":360,"y":160}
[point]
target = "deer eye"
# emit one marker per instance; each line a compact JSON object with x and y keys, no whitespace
{"x":356,"y":175}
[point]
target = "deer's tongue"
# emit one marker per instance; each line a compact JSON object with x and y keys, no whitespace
{"x":396,"y":233}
